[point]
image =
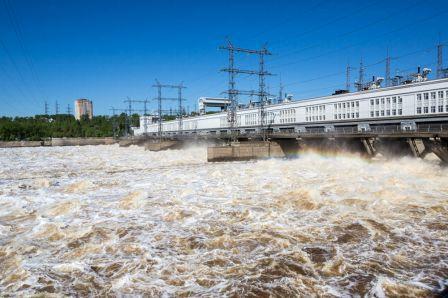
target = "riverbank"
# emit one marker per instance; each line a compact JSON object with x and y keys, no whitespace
{"x":59,"y":142}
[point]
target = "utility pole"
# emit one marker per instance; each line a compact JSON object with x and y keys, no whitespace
{"x":127,"y":110}
{"x":145,"y":112}
{"x":262,"y":89}
{"x":360,"y":83}
{"x":233,"y":93}
{"x":347,"y":77}
{"x":440,"y":61}
{"x":388,"y":79}
{"x":179,"y":99}
{"x":46,"y":108}
{"x":159,"y":99}
{"x":280,"y":91}
{"x":114,"y":122}
{"x":129,"y":117}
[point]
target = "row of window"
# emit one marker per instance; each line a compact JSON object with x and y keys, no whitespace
{"x":383,"y":113}
{"x":432,"y":102}
{"x":251,"y":119}
{"x":386,"y":100}
{"x":433,"y":95}
{"x":439,"y":109}
{"x":315,"y":109}
{"x":353,"y":115}
{"x":345,"y":105}
{"x":315,"y":113}
{"x":287,"y":115}
{"x":315,"y":118}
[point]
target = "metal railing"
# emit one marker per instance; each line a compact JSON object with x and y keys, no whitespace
{"x":387,"y":129}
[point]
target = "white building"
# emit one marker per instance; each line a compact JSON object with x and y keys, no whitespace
{"x":417,"y":100}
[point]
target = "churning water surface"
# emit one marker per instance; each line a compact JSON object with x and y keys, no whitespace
{"x":105,"y":220}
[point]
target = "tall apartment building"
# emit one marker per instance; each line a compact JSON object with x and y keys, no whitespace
{"x":83,"y":107}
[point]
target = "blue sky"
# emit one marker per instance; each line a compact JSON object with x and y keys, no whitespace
{"x":110,"y":50}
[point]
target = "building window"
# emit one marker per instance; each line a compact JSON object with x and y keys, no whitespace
{"x":400,"y":111}
{"x":348,"y":115}
{"x":377,"y":101}
{"x":372,"y":102}
{"x":382,"y":112}
{"x":433,"y":95}
{"x":440,"y":109}
{"x":425,"y":110}
{"x":394,"y":112}
{"x":419,"y":97}
{"x":388,"y":112}
{"x":335,"y":106}
{"x":377,"y":113}
{"x":335,"y":116}
{"x":433,"y":109}
{"x":426,"y":96}
{"x":353,"y":115}
{"x":323,"y":117}
{"x":440,"y":94}
{"x":353,"y":104}
{"x":371,"y":114}
{"x":400,"y":100}
{"x":357,"y":103}
{"x":340,"y":117}
{"x":357,"y":114}
{"x":419,"y":110}
{"x":382,"y":100}
{"x":394,"y":99}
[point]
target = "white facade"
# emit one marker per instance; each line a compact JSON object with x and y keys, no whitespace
{"x":420,"y":99}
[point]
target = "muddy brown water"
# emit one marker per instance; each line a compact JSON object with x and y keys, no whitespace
{"x":104,"y":220}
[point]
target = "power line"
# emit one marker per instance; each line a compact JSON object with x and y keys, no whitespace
{"x":159,"y":99}
{"x":426,"y":49}
{"x":363,"y":9}
{"x":232,"y":92}
{"x":17,"y":69}
{"x":408,"y":26}
{"x":19,"y":35}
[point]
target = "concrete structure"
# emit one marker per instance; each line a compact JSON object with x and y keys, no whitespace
{"x":145,"y":122}
{"x":421,"y":102}
{"x":411,"y":118}
{"x":83,"y":107}
{"x":244,"y":151}
{"x":205,"y":102}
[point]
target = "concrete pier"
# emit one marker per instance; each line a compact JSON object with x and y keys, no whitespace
{"x":244,"y":151}
{"x":418,"y":147}
{"x":162,"y":145}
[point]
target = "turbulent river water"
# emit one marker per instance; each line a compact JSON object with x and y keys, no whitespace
{"x":105,"y":220}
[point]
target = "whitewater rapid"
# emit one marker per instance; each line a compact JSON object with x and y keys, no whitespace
{"x":105,"y":220}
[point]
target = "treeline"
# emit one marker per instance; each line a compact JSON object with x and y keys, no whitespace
{"x":41,"y":127}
